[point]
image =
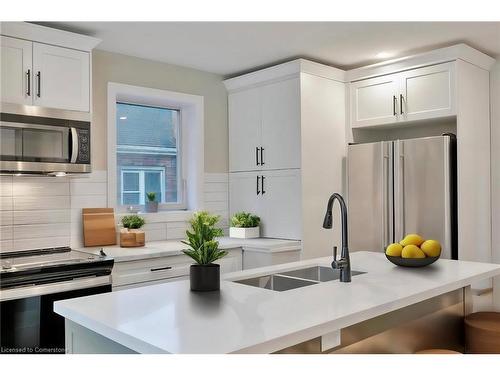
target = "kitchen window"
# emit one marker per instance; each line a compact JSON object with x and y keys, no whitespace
{"x":148,"y":154}
{"x":155,"y":143}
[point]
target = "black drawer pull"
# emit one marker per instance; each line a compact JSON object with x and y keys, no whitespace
{"x":257,"y":156}
{"x":28,"y":79}
{"x":258,"y":191}
{"x":161,"y":269}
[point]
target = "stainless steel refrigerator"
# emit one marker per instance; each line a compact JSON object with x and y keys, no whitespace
{"x":401,"y":187}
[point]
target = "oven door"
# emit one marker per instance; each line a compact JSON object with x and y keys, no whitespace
{"x":28,"y":321}
{"x":43,"y":146}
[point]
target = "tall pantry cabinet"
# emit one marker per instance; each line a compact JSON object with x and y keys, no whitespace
{"x":287,"y":148}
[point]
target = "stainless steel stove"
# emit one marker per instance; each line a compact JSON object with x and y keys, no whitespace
{"x":30,"y":282}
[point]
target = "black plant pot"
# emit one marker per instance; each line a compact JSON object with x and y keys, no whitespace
{"x":204,"y":278}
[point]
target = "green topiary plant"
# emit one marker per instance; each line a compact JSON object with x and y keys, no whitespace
{"x":151,"y":196}
{"x":245,"y":220}
{"x":204,"y":248}
{"x":133,"y":221}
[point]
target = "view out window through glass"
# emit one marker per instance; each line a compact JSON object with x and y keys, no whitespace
{"x":147,"y":154}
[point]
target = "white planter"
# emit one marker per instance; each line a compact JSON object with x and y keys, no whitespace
{"x":244,"y":232}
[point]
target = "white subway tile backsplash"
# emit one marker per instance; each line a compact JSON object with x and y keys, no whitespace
{"x":88,"y":188}
{"x":217,"y":196}
{"x":41,"y":230}
{"x":216,"y":206}
{"x":41,"y":216}
{"x":34,"y":188}
{"x":6,"y":245}
{"x":38,"y":203}
{"x":5,"y":186}
{"x":92,"y":201}
{"x":6,"y":233}
{"x":216,"y":187}
{"x":6,"y":217}
{"x":39,"y":243}
{"x":5,"y":203}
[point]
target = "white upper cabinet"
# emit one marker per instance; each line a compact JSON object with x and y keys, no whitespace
{"x":417,"y":94}
{"x":374,"y":101}
{"x":428,"y":92}
{"x":244,"y":130}
{"x":264,"y":127}
{"x":16,"y":70}
{"x":61,"y":77}
{"x":281,"y":125}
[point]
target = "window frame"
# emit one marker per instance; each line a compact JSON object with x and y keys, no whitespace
{"x":191,"y":155}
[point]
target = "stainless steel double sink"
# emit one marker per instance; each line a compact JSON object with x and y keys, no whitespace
{"x":294,"y":279}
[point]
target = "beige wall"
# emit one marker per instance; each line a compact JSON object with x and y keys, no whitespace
{"x":112,"y":67}
{"x":495,"y":174}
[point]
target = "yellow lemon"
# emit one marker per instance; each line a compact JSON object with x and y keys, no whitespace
{"x":412,"y":251}
{"x":394,"y":250}
{"x":412,"y":239}
{"x":431,"y":248}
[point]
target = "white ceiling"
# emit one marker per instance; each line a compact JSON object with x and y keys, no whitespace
{"x":230,"y":48}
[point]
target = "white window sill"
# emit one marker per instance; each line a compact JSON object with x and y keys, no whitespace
{"x":161,"y":216}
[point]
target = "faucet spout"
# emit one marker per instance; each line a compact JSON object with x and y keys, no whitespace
{"x":344,"y":264}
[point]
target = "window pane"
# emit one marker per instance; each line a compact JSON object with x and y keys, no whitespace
{"x":147,"y":141}
{"x":131,"y":198}
{"x":130,"y":181}
{"x":152,"y":183}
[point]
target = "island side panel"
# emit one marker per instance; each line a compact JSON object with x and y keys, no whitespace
{"x":80,"y":340}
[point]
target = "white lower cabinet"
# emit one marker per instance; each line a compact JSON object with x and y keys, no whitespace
{"x":255,"y":258}
{"x":151,"y":271}
{"x":275,"y":196}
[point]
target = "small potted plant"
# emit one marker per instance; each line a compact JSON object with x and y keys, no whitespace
{"x":204,"y":250}
{"x":244,"y":225}
{"x":131,"y":235}
{"x":151,"y":204}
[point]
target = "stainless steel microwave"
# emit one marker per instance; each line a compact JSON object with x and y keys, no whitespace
{"x":43,"y":145}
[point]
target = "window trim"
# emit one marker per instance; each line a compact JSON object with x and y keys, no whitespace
{"x":190,"y":141}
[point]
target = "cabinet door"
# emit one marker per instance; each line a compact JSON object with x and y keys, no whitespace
{"x":281,"y":125}
{"x":245,"y":192}
{"x":244,"y":130}
{"x":375,"y":101}
{"x":62,"y":77}
{"x":16,"y":60}
{"x":428,"y":92}
{"x":281,"y":212}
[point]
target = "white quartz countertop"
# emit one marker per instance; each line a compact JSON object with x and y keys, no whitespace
{"x":168,"y":318}
{"x":155,"y":249}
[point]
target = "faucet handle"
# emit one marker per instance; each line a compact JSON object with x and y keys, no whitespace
{"x":335,"y":253}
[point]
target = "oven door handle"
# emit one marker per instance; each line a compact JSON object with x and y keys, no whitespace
{"x":74,"y":145}
{"x":50,"y":288}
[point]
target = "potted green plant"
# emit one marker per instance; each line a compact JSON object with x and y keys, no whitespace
{"x":244,"y":225}
{"x":131,"y":234}
{"x":204,"y":250}
{"x":151,"y":204}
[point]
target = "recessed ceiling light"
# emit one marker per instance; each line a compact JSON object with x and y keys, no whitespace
{"x":123,"y":117}
{"x":384,"y":55}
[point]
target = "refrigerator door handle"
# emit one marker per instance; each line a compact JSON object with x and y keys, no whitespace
{"x":399,"y":198}
{"x":387,"y":218}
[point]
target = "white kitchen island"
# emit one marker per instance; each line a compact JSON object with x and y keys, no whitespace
{"x":168,"y":318}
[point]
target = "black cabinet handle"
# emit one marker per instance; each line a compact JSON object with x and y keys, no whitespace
{"x":28,"y":79}
{"x":394,"y":105}
{"x":258,"y":191}
{"x":262,"y":156}
{"x":257,"y":155}
{"x":401,"y":103}
{"x":161,"y":269}
{"x":263,"y":191}
{"x":38,"y":76}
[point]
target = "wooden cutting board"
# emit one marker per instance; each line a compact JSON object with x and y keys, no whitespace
{"x":99,"y":226}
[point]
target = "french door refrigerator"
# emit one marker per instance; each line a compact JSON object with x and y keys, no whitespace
{"x":401,"y":187}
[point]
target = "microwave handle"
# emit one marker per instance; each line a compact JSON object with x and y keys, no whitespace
{"x":74,"y":145}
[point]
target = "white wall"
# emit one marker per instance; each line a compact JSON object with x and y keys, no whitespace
{"x":495,"y":173}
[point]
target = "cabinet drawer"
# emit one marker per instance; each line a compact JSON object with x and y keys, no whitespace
{"x":151,"y":269}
